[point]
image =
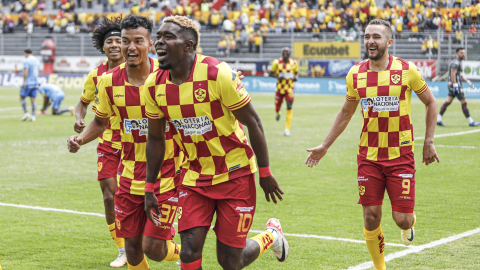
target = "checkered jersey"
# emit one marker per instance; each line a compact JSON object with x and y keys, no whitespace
{"x":288,"y":70}
{"x":200,"y":109}
{"x":385,"y":98}
{"x":117,"y":96}
{"x":111,"y":136}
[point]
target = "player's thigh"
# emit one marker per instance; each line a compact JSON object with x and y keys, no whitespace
{"x":130,"y":215}
{"x":56,"y":102}
{"x":167,"y":204}
{"x":461,"y":97}
{"x":371,"y":182}
{"x":235,"y":213}
{"x":32,"y":92}
{"x":279,"y":97}
{"x":290,"y":96}
{"x":108,"y":161}
{"x":400,"y":183}
{"x":195,"y":208}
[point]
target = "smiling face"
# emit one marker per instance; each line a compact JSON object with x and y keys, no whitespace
{"x":376,"y":41}
{"x":112,"y":48}
{"x":135,"y":45}
{"x":172,"y":45}
{"x":286,"y":52}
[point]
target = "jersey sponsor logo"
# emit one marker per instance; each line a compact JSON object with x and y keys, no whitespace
{"x":99,"y":166}
{"x":244,"y":209}
{"x":381,"y":103}
{"x":395,"y":78}
{"x":136,"y":124}
{"x":118,"y":210}
{"x":118,"y":96}
{"x":173,"y":199}
{"x":200,"y":94}
{"x":405,"y":142}
{"x":406,"y":175}
{"x":100,"y":154}
{"x":362,"y":179}
{"x":182,"y":194}
{"x":193,"y":125}
{"x":96,"y":101}
{"x":234,"y":168}
{"x":361,"y":190}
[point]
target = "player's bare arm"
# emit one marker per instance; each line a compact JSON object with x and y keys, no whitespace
{"x":249,"y":117}
{"x":429,"y":152}
{"x":155,"y":154}
{"x":93,"y":131}
{"x":80,"y":112}
{"x":453,"y":74}
{"x":45,"y":105}
{"x":339,"y":125}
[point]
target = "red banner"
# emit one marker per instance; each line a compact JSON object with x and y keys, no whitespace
{"x":428,"y":68}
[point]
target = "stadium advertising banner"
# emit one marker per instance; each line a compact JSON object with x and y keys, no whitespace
{"x":428,"y":68}
{"x":15,"y":62}
{"x":77,"y":63}
{"x":471,"y":69}
{"x":73,"y":81}
{"x":326,"y":50}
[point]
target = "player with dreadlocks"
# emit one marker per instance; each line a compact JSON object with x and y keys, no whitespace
{"x":106,"y":39}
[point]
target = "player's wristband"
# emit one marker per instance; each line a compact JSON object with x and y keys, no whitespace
{"x":264,"y":171}
{"x":149,"y":187}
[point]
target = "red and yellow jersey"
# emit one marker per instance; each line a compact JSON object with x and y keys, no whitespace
{"x":288,"y":71}
{"x":200,"y":109}
{"x":111,"y":136}
{"x":117,"y":96}
{"x":385,"y":98}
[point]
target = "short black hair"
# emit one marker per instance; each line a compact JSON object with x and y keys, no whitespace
{"x":106,"y":27}
{"x":384,"y":23}
{"x":135,"y":21}
{"x":28,"y":51}
{"x":459,"y":49}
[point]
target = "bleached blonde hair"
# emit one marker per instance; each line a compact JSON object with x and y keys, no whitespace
{"x":187,"y":25}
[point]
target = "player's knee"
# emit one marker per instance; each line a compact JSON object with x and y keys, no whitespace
{"x":108,"y":198}
{"x":228,"y":264}
{"x":133,"y":249}
{"x":403,"y":222}
{"x":154,"y":252}
{"x":372,"y":218}
{"x":188,"y":255}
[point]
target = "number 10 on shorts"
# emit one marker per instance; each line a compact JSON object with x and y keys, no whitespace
{"x":244,"y":222}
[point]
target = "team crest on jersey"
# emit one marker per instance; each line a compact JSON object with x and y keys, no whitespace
{"x":395,"y":78}
{"x":361,"y":190}
{"x":99,"y":166}
{"x":200,"y":94}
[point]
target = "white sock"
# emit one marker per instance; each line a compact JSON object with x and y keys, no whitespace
{"x":275,"y":235}
{"x":439,"y":117}
{"x":121,"y":250}
{"x":470,"y":120}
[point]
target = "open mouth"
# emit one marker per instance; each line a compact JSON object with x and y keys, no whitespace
{"x":161,"y":54}
{"x":132,"y":56}
{"x":116,"y":52}
{"x":372,"y":49}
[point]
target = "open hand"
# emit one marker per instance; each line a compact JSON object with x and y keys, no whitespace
{"x":316,"y":154}
{"x":271,"y":188}
{"x":151,"y":208}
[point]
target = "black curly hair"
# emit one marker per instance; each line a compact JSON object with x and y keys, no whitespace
{"x":106,"y":27}
{"x":135,"y":21}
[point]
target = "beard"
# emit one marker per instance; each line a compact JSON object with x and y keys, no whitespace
{"x":381,"y":52}
{"x":165,"y":66}
{"x":133,"y":65}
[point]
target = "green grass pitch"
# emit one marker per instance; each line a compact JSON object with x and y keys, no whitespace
{"x":37,"y":170}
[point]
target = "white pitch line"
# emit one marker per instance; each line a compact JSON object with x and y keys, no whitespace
{"x":10,"y":108}
{"x":254,"y":231}
{"x":416,"y":249}
{"x":10,"y":116}
{"x":453,"y":146}
{"x":450,"y":134}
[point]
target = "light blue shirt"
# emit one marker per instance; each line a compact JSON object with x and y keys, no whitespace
{"x":33,"y":66}
{"x":50,"y":90}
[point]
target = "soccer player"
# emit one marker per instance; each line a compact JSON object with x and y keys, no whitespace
{"x":31,"y":67}
{"x":385,"y":152}
{"x":55,"y":95}
{"x":120,"y":92}
{"x":286,"y":72}
{"x":455,"y":89}
{"x":204,"y":102}
{"x":106,"y":39}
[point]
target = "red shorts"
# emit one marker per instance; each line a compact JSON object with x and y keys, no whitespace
{"x":234,"y":203}
{"x":131,"y":219}
{"x":396,"y":175}
{"x":288,"y":95}
{"x":108,"y":160}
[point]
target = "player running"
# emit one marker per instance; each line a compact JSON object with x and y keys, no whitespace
{"x":106,"y":39}
{"x":286,"y":72}
{"x":120,"y":92}
{"x":201,"y":98}
{"x":455,"y":88}
{"x":385,"y":152}
{"x":55,"y":95}
{"x":31,"y":67}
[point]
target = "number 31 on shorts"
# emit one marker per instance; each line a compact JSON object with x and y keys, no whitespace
{"x":168,"y":213}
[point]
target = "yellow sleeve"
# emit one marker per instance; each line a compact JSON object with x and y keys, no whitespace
{"x":101,"y":104}
{"x":88,"y":94}
{"x":230,"y":89}
{"x":152,"y":110}
{"x":415,"y":79}
{"x":351,"y":93}
{"x":274,"y":66}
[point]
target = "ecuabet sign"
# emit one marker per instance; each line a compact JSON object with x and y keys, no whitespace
{"x":326,"y":50}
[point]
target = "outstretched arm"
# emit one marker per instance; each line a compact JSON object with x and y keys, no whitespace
{"x":339,"y":125}
{"x":155,"y":155}
{"x":249,"y":117}
{"x":429,"y":151}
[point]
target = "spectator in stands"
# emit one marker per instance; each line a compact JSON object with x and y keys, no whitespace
{"x":227,"y":26}
{"x":111,"y":3}
{"x":251,"y":41}
{"x":435,"y":46}
{"x":215,"y":20}
{"x":222,"y":46}
{"x":472,"y":31}
{"x":458,"y":38}
{"x":430,"y":45}
{"x":264,"y":30}
{"x":424,"y":46}
{"x":258,"y":41}
{"x":291,"y":26}
{"x":457,"y":3}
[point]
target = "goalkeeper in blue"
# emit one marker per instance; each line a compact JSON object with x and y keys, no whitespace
{"x":54,"y":95}
{"x":455,"y":88}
